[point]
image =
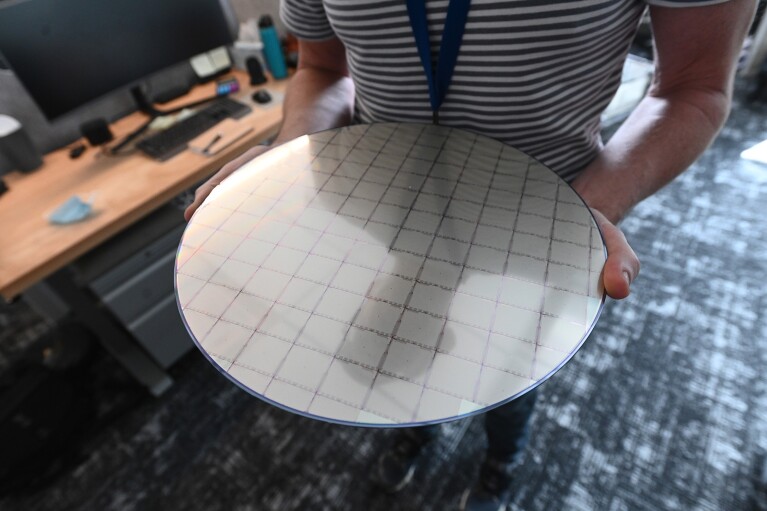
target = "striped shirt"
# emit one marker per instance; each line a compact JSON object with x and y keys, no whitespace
{"x":535,"y":74}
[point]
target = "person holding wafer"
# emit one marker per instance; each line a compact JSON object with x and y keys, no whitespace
{"x":534,"y":75}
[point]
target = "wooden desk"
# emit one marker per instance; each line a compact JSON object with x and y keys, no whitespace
{"x":126,"y":188}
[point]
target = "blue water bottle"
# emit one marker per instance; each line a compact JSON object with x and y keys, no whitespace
{"x":275,"y":60}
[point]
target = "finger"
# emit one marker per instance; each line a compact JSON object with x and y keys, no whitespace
{"x":199,"y":196}
{"x":622,"y":265}
{"x":206,"y":188}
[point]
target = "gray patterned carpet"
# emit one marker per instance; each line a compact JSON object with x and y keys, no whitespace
{"x":663,"y":409}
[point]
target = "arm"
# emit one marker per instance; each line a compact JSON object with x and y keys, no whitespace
{"x":320,"y":96}
{"x":695,"y":54}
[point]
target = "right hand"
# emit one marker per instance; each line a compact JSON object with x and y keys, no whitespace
{"x":204,"y":189}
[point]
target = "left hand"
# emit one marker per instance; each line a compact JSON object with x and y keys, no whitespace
{"x":207,"y":187}
{"x":622,"y":265}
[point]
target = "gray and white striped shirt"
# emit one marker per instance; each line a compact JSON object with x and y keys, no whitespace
{"x":535,"y":74}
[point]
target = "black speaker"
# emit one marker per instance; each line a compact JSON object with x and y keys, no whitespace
{"x":255,"y":71}
{"x":16,"y":146}
{"x":97,"y":132}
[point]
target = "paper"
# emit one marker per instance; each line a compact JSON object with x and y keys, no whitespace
{"x":220,"y":58}
{"x":209,"y":63}
{"x":202,"y":65}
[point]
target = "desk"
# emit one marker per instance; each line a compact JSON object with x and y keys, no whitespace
{"x":126,"y":188}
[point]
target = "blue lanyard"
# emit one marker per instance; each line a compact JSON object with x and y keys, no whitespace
{"x":452,"y":34}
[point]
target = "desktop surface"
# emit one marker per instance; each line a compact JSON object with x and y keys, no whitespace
{"x":124,"y":188}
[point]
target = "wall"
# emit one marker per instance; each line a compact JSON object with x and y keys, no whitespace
{"x":254,"y":8}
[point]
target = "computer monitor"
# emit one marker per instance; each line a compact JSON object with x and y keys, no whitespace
{"x":67,"y":53}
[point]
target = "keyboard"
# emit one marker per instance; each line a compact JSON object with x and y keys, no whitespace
{"x":168,"y":143}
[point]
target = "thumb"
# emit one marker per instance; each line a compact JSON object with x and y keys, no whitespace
{"x":204,"y":190}
{"x":199,"y":196}
{"x":622,"y":265}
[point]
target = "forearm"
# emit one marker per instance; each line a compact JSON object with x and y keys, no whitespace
{"x":695,"y":54}
{"x":662,"y":137}
{"x":316,"y":100}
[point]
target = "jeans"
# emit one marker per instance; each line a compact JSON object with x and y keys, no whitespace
{"x":507,"y":428}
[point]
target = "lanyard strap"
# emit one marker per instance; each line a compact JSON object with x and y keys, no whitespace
{"x":452,"y":35}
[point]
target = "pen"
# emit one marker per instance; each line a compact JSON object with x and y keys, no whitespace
{"x":210,"y":144}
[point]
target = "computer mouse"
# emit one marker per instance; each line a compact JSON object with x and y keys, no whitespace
{"x":261,"y":96}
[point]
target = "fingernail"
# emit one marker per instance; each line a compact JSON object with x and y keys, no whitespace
{"x":627,"y":277}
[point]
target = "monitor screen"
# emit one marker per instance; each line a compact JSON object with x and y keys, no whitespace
{"x":69,"y":52}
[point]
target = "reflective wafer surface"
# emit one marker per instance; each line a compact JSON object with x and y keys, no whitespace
{"x":390,"y":274}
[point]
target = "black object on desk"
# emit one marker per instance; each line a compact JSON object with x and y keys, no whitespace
{"x":96,"y":131}
{"x":262,"y":96}
{"x":16,"y":146}
{"x":255,"y":71}
{"x":76,"y":151}
{"x":173,"y":140}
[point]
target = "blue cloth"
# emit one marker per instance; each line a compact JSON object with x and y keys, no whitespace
{"x":73,"y":210}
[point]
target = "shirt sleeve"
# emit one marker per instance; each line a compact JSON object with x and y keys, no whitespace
{"x":306,"y":19}
{"x":684,"y":3}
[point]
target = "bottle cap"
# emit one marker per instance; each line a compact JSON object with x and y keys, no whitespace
{"x":265,"y":21}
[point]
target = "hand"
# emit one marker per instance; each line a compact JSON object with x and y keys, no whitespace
{"x":204,"y":190}
{"x":622,"y":265}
